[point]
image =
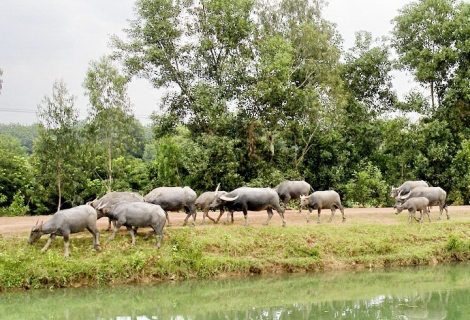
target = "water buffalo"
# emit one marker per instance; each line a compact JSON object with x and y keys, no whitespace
{"x":137,"y":214}
{"x":435,"y":195}
{"x":111,"y":199}
{"x":291,"y":190}
{"x":253,"y":199}
{"x":204,"y":201}
{"x":174,"y":199}
{"x":406,"y":188}
{"x":65,"y":222}
{"x":322,"y":200}
{"x":415,"y":204}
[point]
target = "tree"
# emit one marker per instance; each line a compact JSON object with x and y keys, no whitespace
{"x":57,"y":150}
{"x":110,"y":120}
{"x":198,"y":51}
{"x":15,"y":172}
{"x":424,"y":38}
{"x":367,"y":74}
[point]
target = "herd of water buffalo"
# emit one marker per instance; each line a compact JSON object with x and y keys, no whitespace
{"x":132,"y":210}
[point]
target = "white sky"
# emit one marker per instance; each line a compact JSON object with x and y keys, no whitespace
{"x":48,"y":40}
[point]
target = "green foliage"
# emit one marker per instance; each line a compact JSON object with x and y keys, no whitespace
{"x":366,"y":188}
{"x":16,"y":208}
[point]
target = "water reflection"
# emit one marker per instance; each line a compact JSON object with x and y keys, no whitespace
{"x":409,"y":293}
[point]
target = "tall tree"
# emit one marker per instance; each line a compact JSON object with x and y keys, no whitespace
{"x":424,"y":38}
{"x":110,"y":120}
{"x":58,"y":147}
{"x":199,"y":51}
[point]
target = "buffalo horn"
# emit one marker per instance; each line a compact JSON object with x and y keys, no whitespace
{"x":229,"y":199}
{"x":102,"y":206}
{"x":404,"y":197}
{"x":217,"y":189}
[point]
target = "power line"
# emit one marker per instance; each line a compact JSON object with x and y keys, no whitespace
{"x":17,"y":110}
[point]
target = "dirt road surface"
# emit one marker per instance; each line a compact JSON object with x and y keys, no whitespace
{"x":21,"y":226}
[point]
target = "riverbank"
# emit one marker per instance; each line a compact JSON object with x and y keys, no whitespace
{"x":375,"y":239}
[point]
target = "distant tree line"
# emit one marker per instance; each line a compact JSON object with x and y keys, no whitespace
{"x":255,"y":92}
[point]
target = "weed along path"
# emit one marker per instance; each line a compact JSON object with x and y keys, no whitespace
{"x":10,"y":226}
{"x":21,"y":226}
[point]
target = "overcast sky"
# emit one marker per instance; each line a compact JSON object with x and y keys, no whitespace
{"x":48,"y":40}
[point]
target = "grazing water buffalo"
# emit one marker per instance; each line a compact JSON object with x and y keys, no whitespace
{"x":65,"y":222}
{"x":174,"y":199}
{"x":204,"y":201}
{"x":111,"y":199}
{"x":322,"y":200}
{"x":415,"y":204}
{"x":137,"y":214}
{"x":291,"y":190}
{"x":406,"y":188}
{"x":253,"y":199}
{"x":435,"y":195}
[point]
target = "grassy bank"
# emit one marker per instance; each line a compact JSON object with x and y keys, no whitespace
{"x":218,"y":251}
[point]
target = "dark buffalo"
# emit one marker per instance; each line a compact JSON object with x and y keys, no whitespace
{"x":137,"y":214}
{"x":112,"y":198}
{"x":292,"y":190}
{"x":322,"y":200}
{"x":253,"y":199}
{"x":174,"y":199}
{"x":65,"y":222}
{"x":204,"y":201}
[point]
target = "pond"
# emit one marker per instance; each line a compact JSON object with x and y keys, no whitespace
{"x":439,"y":292}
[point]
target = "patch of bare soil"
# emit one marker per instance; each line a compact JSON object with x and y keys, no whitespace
{"x":11,"y":226}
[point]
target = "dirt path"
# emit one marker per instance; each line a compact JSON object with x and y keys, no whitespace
{"x":11,"y":226}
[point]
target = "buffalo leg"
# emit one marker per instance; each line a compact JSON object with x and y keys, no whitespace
{"x":52,"y":237}
{"x":220,"y":215}
{"x":206,"y":214}
{"x":342,"y":213}
{"x":281,"y":214}
{"x":270,"y":215}
{"x":229,"y":214}
{"x":426,"y":211}
{"x":245,"y":215}
{"x":158,"y":230}
{"x":308,"y":214}
{"x":131,"y":232}
{"x":116,"y":229}
{"x":168,"y":219}
{"x":66,"y":244}
{"x":96,"y":237}
{"x":333,"y":210}
{"x":319,"y":211}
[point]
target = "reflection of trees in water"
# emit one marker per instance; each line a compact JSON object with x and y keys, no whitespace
{"x":432,"y":306}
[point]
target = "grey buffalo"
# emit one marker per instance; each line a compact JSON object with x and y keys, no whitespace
{"x":406,"y":187}
{"x":137,"y":214}
{"x":292,"y":190}
{"x":435,"y":195}
{"x":253,"y":199}
{"x":204,"y":201}
{"x":111,"y":199}
{"x":65,"y":222}
{"x":322,"y":200}
{"x":415,"y":204}
{"x":174,"y":199}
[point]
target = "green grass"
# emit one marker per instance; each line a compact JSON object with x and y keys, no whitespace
{"x":216,"y":251}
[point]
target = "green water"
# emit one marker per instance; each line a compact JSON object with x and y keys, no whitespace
{"x":440,"y":292}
